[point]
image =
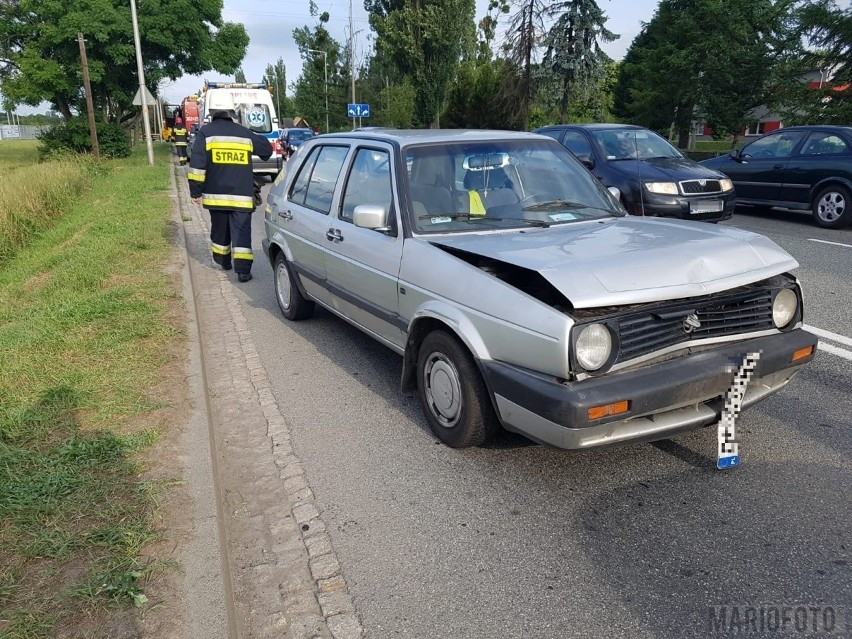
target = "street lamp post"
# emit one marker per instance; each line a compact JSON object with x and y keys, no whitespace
{"x":325,"y":66}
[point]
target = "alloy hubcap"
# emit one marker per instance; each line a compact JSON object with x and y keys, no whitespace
{"x":443,"y":390}
{"x":831,"y":206}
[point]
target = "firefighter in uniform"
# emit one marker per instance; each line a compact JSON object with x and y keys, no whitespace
{"x":222,"y":181}
{"x":181,"y":137}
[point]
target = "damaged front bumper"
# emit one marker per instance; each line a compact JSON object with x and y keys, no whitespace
{"x":665,"y":398}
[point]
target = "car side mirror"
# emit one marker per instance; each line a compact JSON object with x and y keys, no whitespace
{"x":370,"y":216}
{"x":587,"y":161}
{"x":616,"y":192}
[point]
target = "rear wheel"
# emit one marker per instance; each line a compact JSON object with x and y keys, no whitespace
{"x":453,"y":393}
{"x":292,"y":303}
{"x":831,"y":207}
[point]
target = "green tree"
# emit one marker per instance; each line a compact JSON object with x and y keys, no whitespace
{"x":678,"y":69}
{"x":240,"y":75}
{"x":828,"y":29}
{"x":573,"y":56}
{"x":526,"y":28}
{"x":276,"y":78}
{"x":424,"y":41}
{"x":309,"y":97}
{"x":40,"y":58}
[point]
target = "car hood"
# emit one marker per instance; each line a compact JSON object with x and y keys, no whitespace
{"x":632,"y":260}
{"x":664,"y":169}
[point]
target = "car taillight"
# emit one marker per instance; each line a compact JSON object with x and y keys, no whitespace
{"x":276,"y":146}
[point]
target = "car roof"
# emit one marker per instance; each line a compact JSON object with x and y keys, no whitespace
{"x":596,"y":126}
{"x":425,"y":136}
{"x":815,"y":127}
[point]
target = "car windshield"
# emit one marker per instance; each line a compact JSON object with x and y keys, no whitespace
{"x":500,"y":184}
{"x":631,"y":144}
{"x":300,"y":135}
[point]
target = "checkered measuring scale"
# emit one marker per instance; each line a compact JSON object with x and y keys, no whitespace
{"x":728,"y":450}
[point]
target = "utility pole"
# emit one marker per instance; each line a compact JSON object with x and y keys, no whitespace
{"x":143,"y":97}
{"x":325,"y":65}
{"x":90,"y":107}
{"x":352,"y":55}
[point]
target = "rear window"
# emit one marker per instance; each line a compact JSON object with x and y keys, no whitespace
{"x":256,"y":117}
{"x":300,"y":135}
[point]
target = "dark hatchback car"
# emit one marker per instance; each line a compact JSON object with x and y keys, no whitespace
{"x":807,"y":168}
{"x":627,"y":156}
{"x":292,"y":139}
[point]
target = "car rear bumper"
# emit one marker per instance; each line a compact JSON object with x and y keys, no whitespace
{"x":665,"y":398}
{"x":272,"y":165}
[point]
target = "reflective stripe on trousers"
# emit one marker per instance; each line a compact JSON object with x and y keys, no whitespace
{"x":232,"y":228}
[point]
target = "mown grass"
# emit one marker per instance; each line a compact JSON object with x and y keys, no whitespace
{"x":84,"y":337}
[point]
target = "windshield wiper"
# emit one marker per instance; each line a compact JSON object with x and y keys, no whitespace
{"x":473,"y":218}
{"x":555,"y":204}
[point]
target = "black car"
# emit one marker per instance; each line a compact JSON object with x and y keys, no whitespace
{"x":807,"y":168}
{"x":627,"y":156}
{"x":291,"y":139}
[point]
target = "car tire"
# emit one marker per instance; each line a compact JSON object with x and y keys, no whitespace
{"x":453,"y":394}
{"x":292,"y":303}
{"x":832,"y":207}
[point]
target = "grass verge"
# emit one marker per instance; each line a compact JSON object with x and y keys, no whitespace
{"x":87,"y":330}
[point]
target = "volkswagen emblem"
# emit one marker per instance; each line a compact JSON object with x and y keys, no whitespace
{"x":691,"y":322}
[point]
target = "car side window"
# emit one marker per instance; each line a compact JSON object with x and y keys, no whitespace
{"x":577,"y":143}
{"x":552,"y":133}
{"x":324,"y":176}
{"x":299,"y":189}
{"x":369,"y":182}
{"x":776,"y":145}
{"x":822,"y":143}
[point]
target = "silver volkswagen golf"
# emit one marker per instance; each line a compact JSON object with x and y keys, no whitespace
{"x":520,"y":294}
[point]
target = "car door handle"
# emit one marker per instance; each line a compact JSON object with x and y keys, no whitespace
{"x":778,"y":166}
{"x":285,"y":214}
{"x":334,"y":235}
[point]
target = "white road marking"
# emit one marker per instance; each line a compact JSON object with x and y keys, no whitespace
{"x":827,"y":242}
{"x":834,"y":337}
{"x":835,"y":350}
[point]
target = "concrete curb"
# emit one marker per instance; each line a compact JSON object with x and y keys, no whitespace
{"x":287,"y":579}
{"x":207,"y":590}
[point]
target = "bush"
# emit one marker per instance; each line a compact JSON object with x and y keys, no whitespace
{"x":73,"y":136}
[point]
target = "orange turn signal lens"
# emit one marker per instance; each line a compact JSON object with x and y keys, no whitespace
{"x":596,"y":412}
{"x":802,"y":353}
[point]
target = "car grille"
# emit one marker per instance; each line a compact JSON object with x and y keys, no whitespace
{"x":692,"y":187}
{"x":650,"y":331}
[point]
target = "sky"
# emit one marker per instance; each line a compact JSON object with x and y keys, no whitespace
{"x":270,"y":25}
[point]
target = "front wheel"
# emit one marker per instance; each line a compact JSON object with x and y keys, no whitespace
{"x":453,"y":393}
{"x":292,"y":303}
{"x":831,"y":207}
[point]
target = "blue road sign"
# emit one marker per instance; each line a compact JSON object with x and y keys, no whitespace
{"x":358,"y":110}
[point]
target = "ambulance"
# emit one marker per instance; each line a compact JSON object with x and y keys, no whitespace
{"x":255,"y":109}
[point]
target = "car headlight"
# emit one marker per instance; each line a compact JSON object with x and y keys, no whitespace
{"x":594,"y":345}
{"x":784,"y":307}
{"x":664,"y":188}
{"x":726,"y":184}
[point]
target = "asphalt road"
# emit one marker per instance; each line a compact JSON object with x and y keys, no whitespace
{"x":518,"y":540}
